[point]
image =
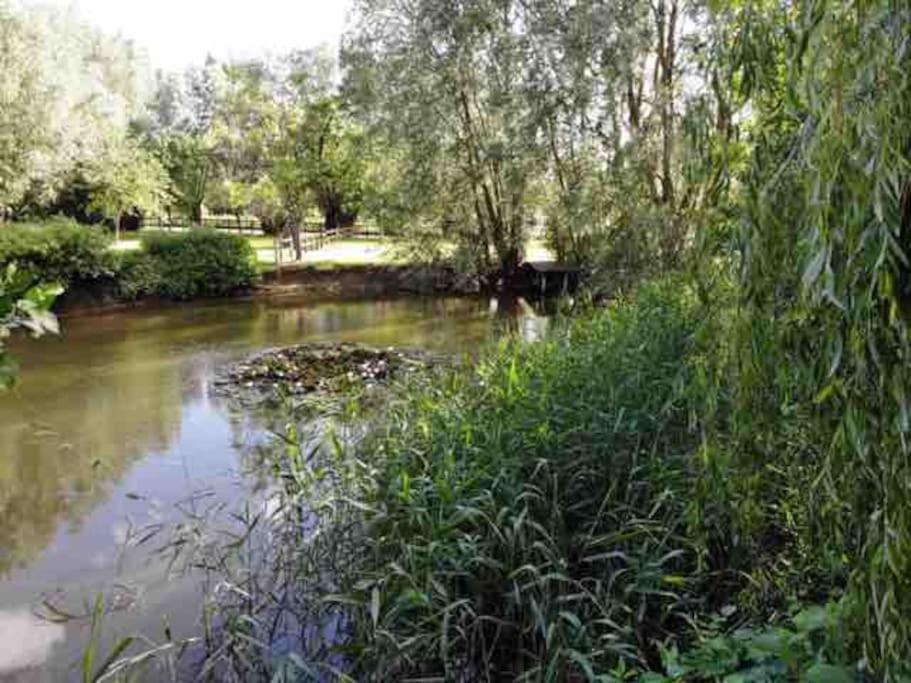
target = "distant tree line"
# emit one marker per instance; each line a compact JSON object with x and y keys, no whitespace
{"x":87,"y":130}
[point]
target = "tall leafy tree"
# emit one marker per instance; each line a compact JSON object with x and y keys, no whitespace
{"x":67,"y":96}
{"x":446,"y":81}
{"x":188,"y":161}
{"x":24,"y":101}
{"x":322,"y":157}
{"x":125,"y":179}
{"x":825,"y":248}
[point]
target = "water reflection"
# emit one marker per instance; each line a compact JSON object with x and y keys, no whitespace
{"x":112,"y":426}
{"x":73,"y":428}
{"x":514,"y":316}
{"x":34,"y":640}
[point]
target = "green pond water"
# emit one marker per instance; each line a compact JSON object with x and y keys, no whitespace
{"x":114,"y":429}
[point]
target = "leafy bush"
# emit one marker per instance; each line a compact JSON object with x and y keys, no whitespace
{"x":138,"y":275}
{"x":175,"y":266}
{"x":810,"y":651}
{"x":199,"y":263}
{"x":59,"y":251}
{"x":23,"y":304}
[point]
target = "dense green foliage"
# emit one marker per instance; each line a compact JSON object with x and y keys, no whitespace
{"x":803,"y":652}
{"x":556,"y":512}
{"x":22,"y":113}
{"x":138,"y":276}
{"x":532,"y":517}
{"x":67,"y":95}
{"x":195,"y":264}
{"x":268,"y":138}
{"x":570,"y":121}
{"x":23,"y":304}
{"x":820,"y":350}
{"x":172,"y":266}
{"x":59,"y":251}
{"x":88,"y":130}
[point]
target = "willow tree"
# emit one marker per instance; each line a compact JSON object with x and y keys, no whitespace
{"x":446,"y":82}
{"x":634,"y":107}
{"x":23,"y":102}
{"x":587,"y":102}
{"x":67,"y":96}
{"x":817,"y":388}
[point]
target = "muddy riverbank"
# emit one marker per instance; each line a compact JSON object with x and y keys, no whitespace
{"x":346,"y":283}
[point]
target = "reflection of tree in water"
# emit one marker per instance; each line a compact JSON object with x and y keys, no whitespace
{"x":516,"y":317}
{"x":70,"y":431}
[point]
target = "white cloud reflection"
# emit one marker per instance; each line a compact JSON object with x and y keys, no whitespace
{"x":25,"y":640}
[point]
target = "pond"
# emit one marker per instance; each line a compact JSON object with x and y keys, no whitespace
{"x":114,"y":431}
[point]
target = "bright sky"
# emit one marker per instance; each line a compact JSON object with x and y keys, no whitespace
{"x":180,"y":33}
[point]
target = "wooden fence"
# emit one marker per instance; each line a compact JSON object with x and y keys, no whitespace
{"x":252,"y":226}
{"x":313,"y":236}
{"x":242,"y":226}
{"x":315,"y":239}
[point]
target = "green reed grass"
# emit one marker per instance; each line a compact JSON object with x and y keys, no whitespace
{"x":528,"y":520}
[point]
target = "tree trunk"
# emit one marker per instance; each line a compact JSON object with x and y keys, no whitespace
{"x":334,"y":214}
{"x":296,"y":241}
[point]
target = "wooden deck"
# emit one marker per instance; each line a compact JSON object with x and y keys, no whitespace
{"x":549,"y":278}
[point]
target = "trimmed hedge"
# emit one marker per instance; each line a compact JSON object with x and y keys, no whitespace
{"x":60,"y":251}
{"x":199,"y":263}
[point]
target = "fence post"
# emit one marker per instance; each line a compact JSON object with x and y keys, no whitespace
{"x":276,"y":243}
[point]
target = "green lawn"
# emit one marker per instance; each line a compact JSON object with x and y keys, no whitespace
{"x":126,"y":245}
{"x":338,"y":253}
{"x":343,"y":252}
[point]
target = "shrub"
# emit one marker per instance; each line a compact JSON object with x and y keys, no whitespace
{"x":810,"y":651}
{"x":59,"y":251}
{"x":200,"y":263}
{"x":138,"y":275}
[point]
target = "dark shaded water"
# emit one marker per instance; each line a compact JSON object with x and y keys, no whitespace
{"x":113,"y":431}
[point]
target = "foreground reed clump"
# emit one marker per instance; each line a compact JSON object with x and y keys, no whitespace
{"x":552,"y":516}
{"x":532,"y":514}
